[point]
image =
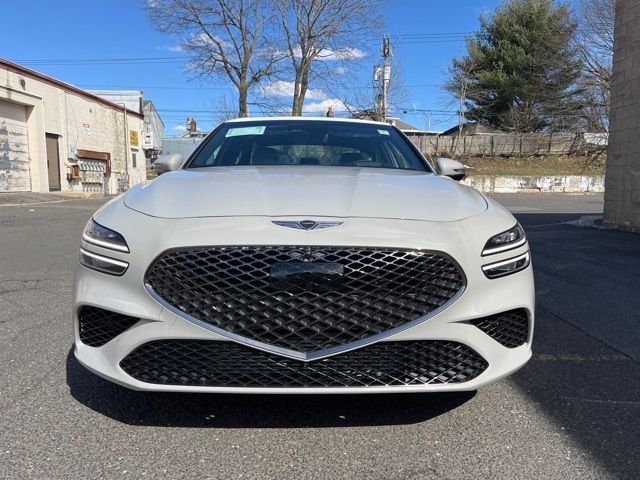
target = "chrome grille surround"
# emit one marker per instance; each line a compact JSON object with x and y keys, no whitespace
{"x":230,"y":291}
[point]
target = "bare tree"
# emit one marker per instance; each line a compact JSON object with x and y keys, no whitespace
{"x":460,"y":84}
{"x":317,"y":30}
{"x":596,"y":37}
{"x":226,"y":38}
{"x":595,"y":43}
{"x":223,"y":108}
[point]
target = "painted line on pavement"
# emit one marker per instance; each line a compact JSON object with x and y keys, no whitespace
{"x":34,"y":203}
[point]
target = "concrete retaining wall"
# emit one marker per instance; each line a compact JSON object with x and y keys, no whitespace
{"x":562,"y":184}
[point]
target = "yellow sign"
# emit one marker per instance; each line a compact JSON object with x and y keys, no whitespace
{"x":133,"y":138}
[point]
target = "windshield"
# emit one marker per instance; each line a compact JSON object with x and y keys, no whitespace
{"x":308,"y":143}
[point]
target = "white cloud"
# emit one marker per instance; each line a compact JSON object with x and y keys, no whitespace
{"x":341,"y":54}
{"x":322,"y":107}
{"x":179,"y":128}
{"x":340,"y":71}
{"x":328,"y":54}
{"x":281,"y":88}
{"x":203,"y":40}
{"x":171,"y":48}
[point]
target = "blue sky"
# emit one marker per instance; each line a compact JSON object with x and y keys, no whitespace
{"x":79,"y":30}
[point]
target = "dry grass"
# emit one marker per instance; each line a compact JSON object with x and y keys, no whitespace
{"x":534,"y":166}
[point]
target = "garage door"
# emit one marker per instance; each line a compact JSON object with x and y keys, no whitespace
{"x":14,"y":149}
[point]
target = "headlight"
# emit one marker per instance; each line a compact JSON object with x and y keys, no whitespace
{"x":101,"y":263}
{"x":104,"y":237}
{"x":507,"y":267}
{"x":512,"y":238}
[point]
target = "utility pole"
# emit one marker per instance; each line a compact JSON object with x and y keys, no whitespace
{"x":382,"y":77}
{"x":386,"y":75}
{"x":461,"y":111}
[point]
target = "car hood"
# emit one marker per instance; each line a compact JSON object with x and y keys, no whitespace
{"x":305,"y":191}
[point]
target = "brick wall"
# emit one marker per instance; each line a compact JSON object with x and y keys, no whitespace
{"x":622,"y":183}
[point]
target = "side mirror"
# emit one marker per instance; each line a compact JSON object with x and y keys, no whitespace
{"x":450,"y":168}
{"x":168,"y":163}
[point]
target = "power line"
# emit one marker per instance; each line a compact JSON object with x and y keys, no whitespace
{"x":230,"y":87}
{"x":433,"y":37}
{"x":103,"y":61}
{"x":207,"y":114}
{"x":153,"y":87}
{"x":430,"y":34}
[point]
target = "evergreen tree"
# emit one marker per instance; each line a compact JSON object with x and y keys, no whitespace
{"x":521,"y":69}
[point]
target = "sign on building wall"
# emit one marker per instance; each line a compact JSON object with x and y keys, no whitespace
{"x":86,"y":128}
{"x":133,"y":138}
{"x":147,"y":140}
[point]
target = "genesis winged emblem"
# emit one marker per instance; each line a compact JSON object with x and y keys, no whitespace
{"x":305,"y":224}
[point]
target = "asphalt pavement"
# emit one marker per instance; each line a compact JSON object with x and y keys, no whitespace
{"x":572,"y":412}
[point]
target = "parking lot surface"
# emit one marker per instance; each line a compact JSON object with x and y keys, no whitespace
{"x":572,"y":412}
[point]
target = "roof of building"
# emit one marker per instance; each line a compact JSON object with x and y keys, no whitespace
{"x":132,"y":99}
{"x":148,"y":104}
{"x":191,"y":134}
{"x":27,"y":72}
{"x":472,"y":128}
{"x":408,"y":128}
{"x":395,"y":121}
{"x":404,"y":126}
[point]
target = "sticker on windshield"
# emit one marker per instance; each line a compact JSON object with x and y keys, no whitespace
{"x":236,"y":132}
{"x":383,"y":132}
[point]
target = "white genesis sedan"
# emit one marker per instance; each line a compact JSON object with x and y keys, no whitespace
{"x":291,"y":255}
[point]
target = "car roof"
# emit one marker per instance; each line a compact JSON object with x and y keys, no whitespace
{"x":306,"y":119}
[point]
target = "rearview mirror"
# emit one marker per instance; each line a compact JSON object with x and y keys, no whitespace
{"x":450,"y":168}
{"x":168,"y":163}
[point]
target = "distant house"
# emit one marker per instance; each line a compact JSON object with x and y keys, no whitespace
{"x":406,"y":128}
{"x":192,"y":130}
{"x":472,"y":128}
{"x":186,"y":142}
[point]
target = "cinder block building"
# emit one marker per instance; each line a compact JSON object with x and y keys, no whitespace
{"x":622,"y":182}
{"x":57,"y":137}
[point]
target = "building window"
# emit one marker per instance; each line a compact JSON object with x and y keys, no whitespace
{"x":133,"y":160}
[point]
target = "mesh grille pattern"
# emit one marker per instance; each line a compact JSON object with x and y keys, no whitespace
{"x":510,"y":328}
{"x":98,"y":326}
{"x":343,"y":294}
{"x":228,"y":364}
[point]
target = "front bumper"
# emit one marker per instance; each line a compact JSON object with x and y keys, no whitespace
{"x":148,"y":237}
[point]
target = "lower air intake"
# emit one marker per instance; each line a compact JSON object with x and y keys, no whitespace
{"x":98,"y":326}
{"x":510,"y":328}
{"x":226,"y":364}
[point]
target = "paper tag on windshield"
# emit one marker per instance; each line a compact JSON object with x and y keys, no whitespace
{"x":236,"y":132}
{"x":383,"y":132}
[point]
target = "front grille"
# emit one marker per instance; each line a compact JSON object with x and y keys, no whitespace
{"x":305,"y":299}
{"x":510,"y":328}
{"x":227,"y":364}
{"x":98,"y":326}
